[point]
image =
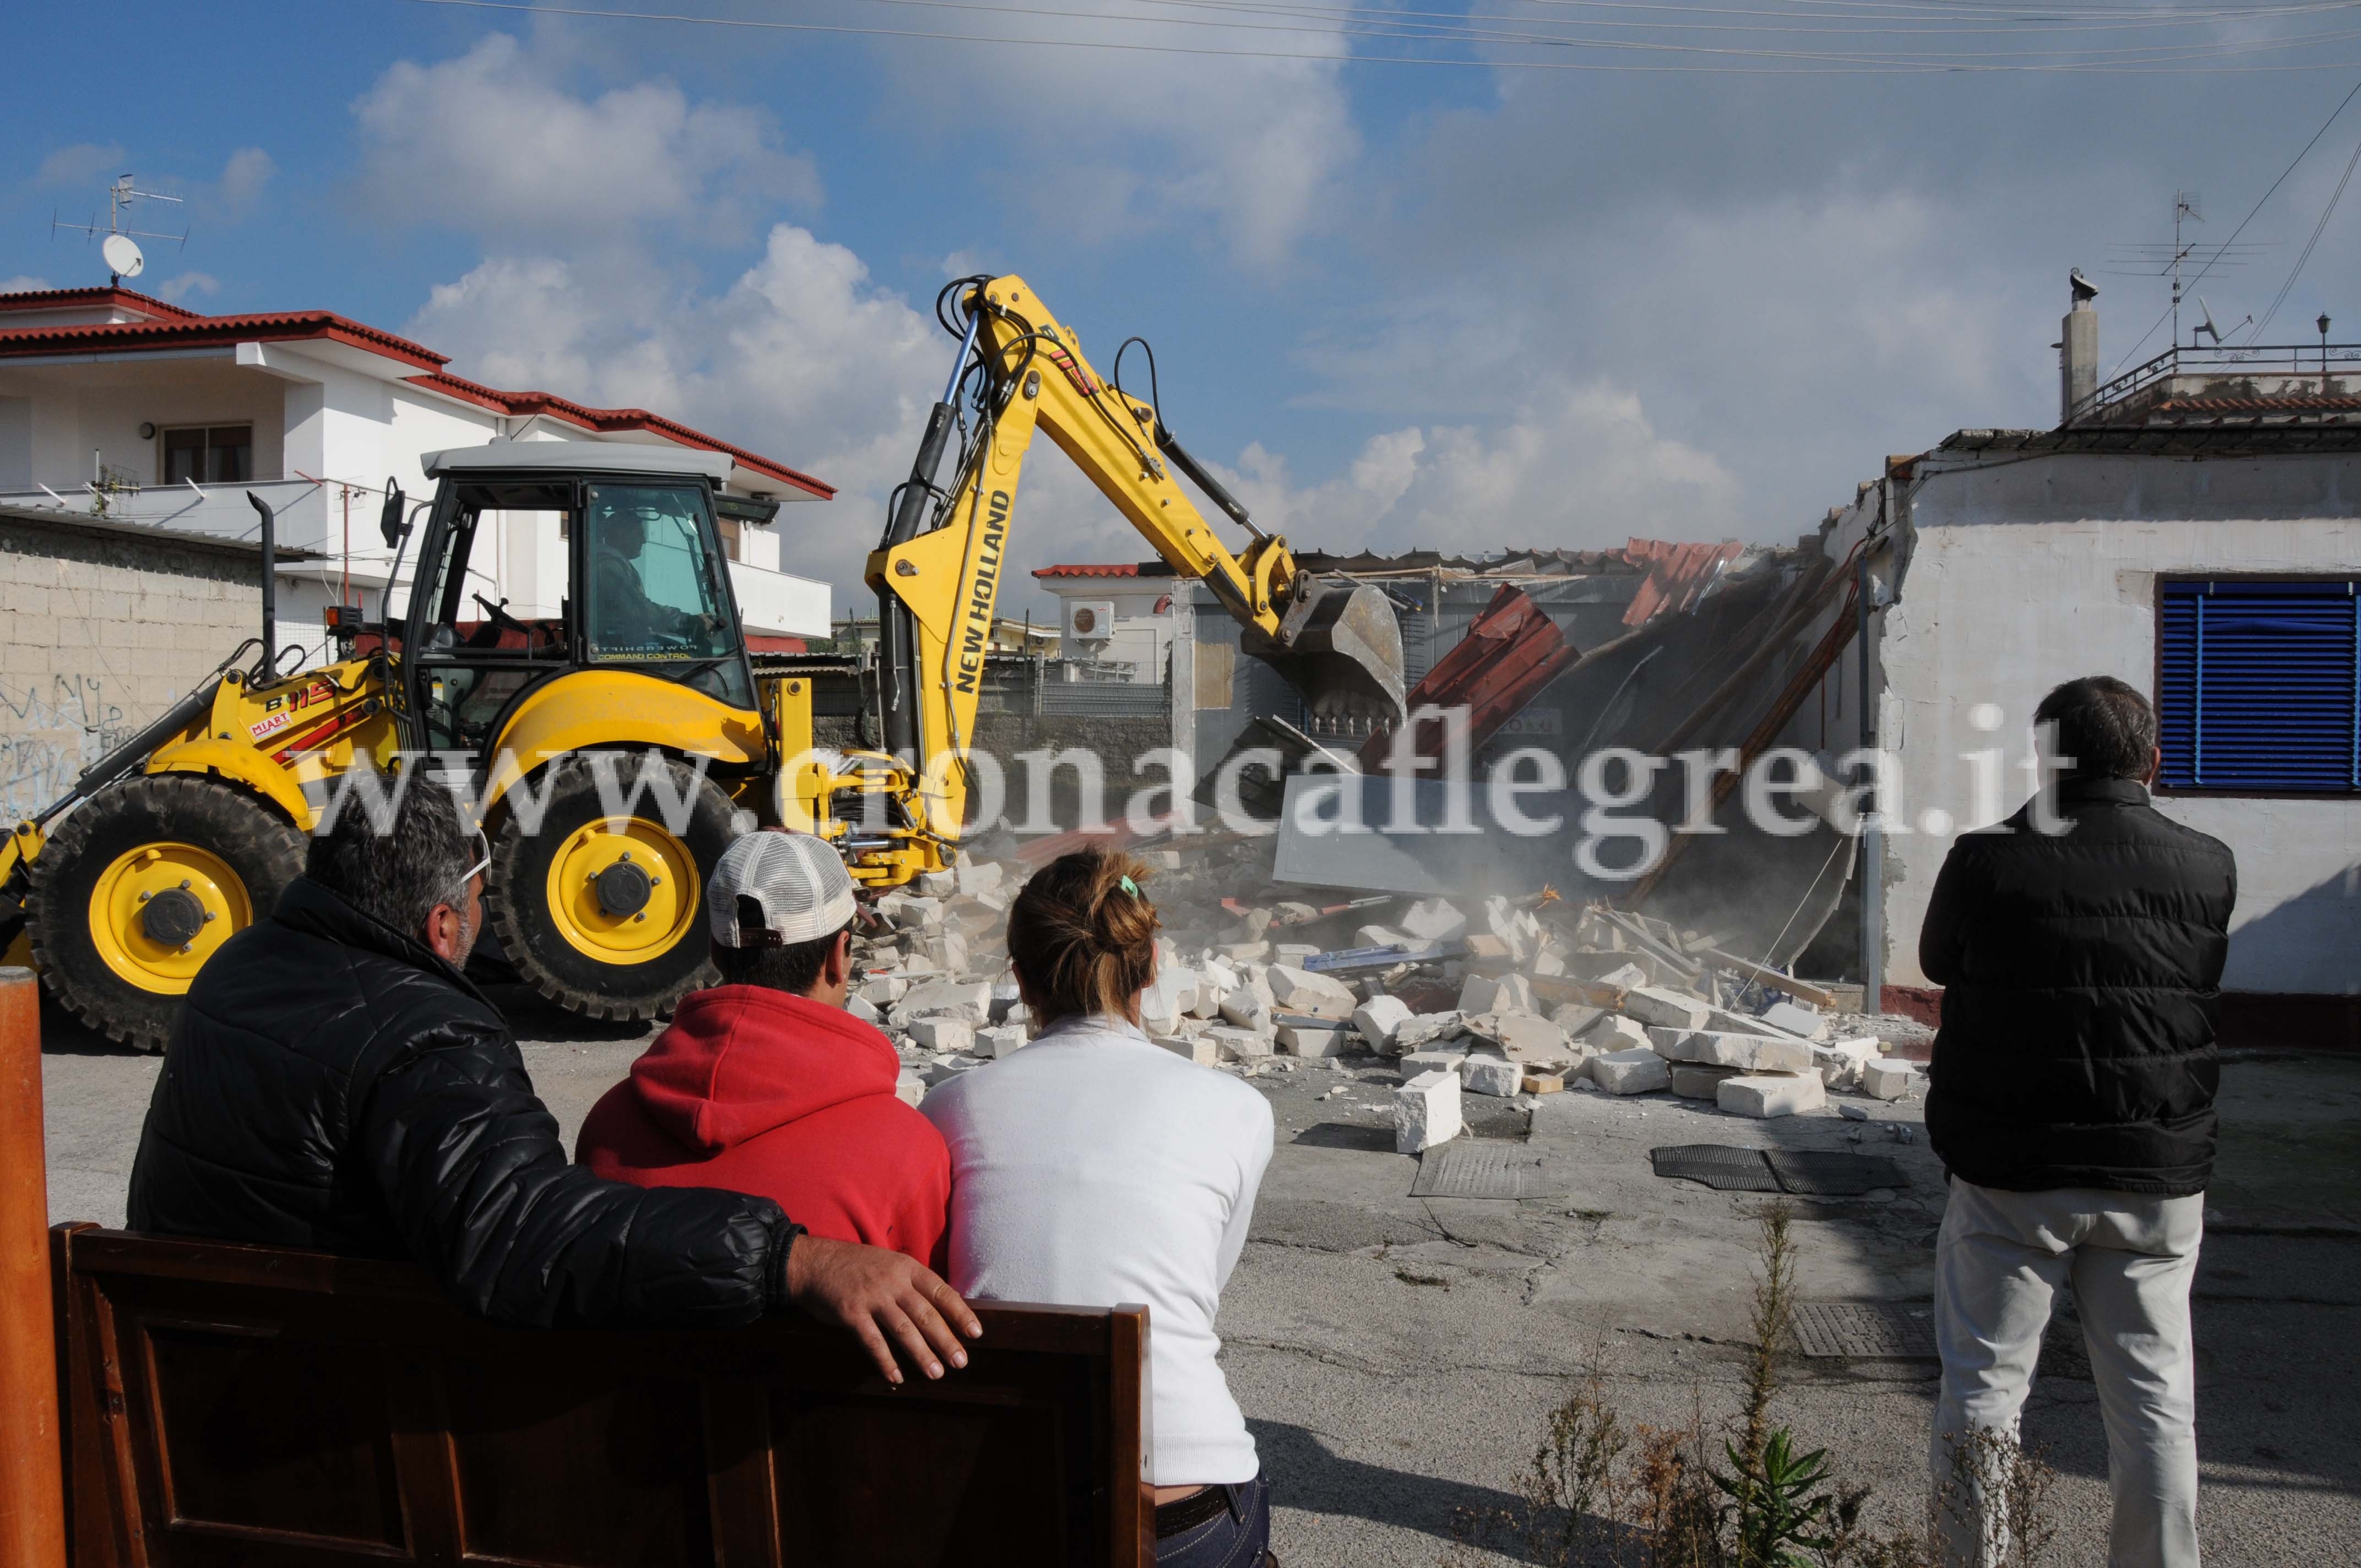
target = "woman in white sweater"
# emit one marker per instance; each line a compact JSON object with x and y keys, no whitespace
{"x":1094,"y":1168}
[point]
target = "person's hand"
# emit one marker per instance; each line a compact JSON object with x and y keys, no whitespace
{"x":886,"y":1298}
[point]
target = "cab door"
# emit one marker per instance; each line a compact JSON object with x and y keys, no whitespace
{"x":468,"y":657}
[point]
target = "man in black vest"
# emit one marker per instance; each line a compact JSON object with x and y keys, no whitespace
{"x":2079,"y":944}
{"x":336,"y":1082}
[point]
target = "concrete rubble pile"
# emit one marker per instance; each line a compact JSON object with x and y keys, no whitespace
{"x":1500,"y":999}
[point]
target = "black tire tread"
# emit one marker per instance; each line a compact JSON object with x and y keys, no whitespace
{"x":237,"y":825}
{"x":501,"y":911}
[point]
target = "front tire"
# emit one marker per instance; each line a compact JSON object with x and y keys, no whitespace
{"x":140,"y":885}
{"x":603,"y":912}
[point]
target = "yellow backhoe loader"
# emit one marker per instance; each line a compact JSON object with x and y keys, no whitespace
{"x":611,"y":748}
{"x":898,"y":811}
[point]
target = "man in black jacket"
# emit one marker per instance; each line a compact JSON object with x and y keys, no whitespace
{"x":336,"y":1082}
{"x":2079,"y":944}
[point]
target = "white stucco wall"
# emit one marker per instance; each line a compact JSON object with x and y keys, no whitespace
{"x":2028,"y":572}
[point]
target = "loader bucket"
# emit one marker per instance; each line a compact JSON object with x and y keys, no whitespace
{"x":1340,"y":645}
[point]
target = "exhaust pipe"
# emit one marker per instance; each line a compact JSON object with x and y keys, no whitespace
{"x":269,"y":586}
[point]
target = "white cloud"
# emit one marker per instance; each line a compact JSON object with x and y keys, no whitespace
{"x":249,"y":170}
{"x":1104,"y":146}
{"x":81,"y":164}
{"x":24,"y":284}
{"x":487,"y":142}
{"x":187,"y":284}
{"x":1573,"y":467}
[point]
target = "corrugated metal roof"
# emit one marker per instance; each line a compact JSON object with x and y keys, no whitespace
{"x":1678,"y":574}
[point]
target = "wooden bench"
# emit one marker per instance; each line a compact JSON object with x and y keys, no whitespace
{"x":235,"y":1405}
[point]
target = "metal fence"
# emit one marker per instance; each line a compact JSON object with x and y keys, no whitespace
{"x":1104,"y":700}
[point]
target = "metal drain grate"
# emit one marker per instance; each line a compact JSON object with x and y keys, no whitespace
{"x":1866,"y":1330}
{"x":1463,"y":1170}
{"x":1804,"y":1172}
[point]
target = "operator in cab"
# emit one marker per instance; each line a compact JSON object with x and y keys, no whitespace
{"x":627,"y":531}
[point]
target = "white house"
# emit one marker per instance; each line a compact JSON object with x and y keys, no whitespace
{"x":2194,"y":529}
{"x":1117,"y":615}
{"x":117,"y":405}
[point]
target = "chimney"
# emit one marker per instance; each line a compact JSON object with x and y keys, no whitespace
{"x":2078,"y":349}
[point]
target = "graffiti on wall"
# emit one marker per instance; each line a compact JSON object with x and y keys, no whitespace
{"x":50,"y":732}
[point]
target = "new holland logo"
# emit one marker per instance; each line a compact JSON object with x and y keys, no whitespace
{"x":976,"y":630}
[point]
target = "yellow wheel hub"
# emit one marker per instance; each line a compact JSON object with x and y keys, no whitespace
{"x":158,"y":913}
{"x":623,"y":891}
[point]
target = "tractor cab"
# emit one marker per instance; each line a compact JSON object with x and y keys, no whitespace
{"x":631,"y":579}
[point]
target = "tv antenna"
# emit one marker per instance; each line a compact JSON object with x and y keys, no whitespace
{"x":114,"y":241}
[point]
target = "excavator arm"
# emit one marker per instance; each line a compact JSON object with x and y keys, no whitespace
{"x":938,"y":571}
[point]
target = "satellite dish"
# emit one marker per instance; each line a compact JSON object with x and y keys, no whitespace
{"x":122,"y":253}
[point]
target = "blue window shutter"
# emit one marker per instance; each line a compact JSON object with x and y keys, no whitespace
{"x":2260,"y":686}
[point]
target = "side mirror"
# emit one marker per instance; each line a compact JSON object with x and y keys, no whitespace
{"x":391,"y":522}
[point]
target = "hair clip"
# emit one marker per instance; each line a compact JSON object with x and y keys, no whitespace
{"x":1130,"y":887}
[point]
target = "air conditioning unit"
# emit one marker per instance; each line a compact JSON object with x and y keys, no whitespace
{"x":1090,"y":620}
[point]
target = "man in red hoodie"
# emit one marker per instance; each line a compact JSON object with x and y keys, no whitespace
{"x":764,"y":1084}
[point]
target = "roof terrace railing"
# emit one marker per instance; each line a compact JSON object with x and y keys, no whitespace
{"x":2280,"y":359}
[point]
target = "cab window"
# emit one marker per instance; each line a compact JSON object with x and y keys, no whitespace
{"x":653,"y":591}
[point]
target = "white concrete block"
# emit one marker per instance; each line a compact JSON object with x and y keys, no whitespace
{"x":1203,"y":1050}
{"x":1662,"y":1007}
{"x":1425,"y":1028}
{"x":1486,"y":1074}
{"x":943,"y":1071}
{"x":1629,"y":1072}
{"x":1245,"y":1008}
{"x":1294,"y":953}
{"x":1377,"y":1018}
{"x":1770,"y":1093}
{"x":943,"y":1033}
{"x":937,"y":884}
{"x":1888,"y":1077}
{"x":1426,"y":1112}
{"x":1381,"y":937}
{"x":861,"y":1007}
{"x":967,"y":1000}
{"x":977,"y":879}
{"x":1691,"y":1081}
{"x":1239,"y":1045}
{"x":1613,"y":1032}
{"x":1796,"y":1019}
{"x":1717,"y":1047}
{"x":1433,"y":1058}
{"x":1528,"y":1037}
{"x":1000,"y":1040}
{"x":910,"y":1088}
{"x":910,"y":911}
{"x":881,"y":990}
{"x":1433,"y":920}
{"x":1311,"y":1040}
{"x":1318,"y":995}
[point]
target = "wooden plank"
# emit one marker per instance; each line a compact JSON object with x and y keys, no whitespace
{"x":1132,"y":1536}
{"x":1801,"y":989}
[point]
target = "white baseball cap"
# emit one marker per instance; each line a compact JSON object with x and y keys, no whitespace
{"x":777,"y":889}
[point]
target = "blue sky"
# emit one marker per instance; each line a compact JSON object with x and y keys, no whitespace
{"x":1469,"y":307}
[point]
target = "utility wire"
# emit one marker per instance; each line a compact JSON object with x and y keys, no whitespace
{"x":2243,"y":223}
{"x":2296,"y":270}
{"x":1800,"y":63}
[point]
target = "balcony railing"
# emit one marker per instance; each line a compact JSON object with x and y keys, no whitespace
{"x":222,"y":510}
{"x":2289,"y":364}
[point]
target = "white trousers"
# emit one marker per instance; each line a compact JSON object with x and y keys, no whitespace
{"x":2000,"y":1262}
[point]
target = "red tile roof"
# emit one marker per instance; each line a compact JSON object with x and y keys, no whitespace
{"x":110,"y":299}
{"x":1116,"y":569}
{"x":180,"y":328}
{"x":526,"y":405}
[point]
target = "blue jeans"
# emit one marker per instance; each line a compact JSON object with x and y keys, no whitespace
{"x":1236,"y":1539}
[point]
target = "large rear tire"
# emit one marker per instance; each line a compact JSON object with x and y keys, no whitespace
{"x":141,"y":884}
{"x":604,"y":913}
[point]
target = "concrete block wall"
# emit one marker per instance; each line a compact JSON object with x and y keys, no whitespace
{"x":99,"y":633}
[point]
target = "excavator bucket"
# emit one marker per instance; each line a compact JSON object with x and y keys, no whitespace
{"x":1340,"y":645}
